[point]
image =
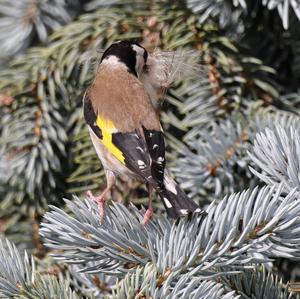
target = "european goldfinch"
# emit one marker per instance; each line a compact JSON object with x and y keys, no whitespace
{"x":124,"y":126}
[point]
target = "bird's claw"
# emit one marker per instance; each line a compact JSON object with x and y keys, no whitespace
{"x":148,"y":215}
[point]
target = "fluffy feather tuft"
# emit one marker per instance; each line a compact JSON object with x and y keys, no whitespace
{"x":162,"y":69}
{"x":165,"y":67}
{"x":174,"y":65}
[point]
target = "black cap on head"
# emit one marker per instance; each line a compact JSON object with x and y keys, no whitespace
{"x":126,"y":54}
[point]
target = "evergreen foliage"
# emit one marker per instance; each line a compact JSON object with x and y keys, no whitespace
{"x":233,"y":139}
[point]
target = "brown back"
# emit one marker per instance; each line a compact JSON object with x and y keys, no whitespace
{"x":127,"y":105}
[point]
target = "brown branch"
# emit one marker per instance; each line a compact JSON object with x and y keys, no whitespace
{"x":213,"y":167}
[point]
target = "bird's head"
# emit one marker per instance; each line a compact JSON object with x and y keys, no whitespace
{"x":133,"y":55}
{"x":156,"y":70}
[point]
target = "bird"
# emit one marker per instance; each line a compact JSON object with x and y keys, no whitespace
{"x":120,"y":110}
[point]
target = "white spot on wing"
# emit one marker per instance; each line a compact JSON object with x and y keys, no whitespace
{"x":155,"y":146}
{"x":184,"y":211}
{"x":141,"y":164}
{"x":160,"y":160}
{"x":198,"y":210}
{"x":170,"y":184}
{"x":140,"y":149}
{"x":168,"y":204}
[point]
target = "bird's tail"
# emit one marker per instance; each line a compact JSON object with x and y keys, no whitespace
{"x":176,"y":201}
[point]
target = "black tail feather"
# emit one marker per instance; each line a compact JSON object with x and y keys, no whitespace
{"x":177,"y":203}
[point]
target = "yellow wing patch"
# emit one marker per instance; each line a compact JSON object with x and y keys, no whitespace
{"x":107,"y":129}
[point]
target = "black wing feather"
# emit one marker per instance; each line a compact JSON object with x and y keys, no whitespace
{"x":156,"y":146}
{"x":145,"y":157}
{"x":90,"y":115}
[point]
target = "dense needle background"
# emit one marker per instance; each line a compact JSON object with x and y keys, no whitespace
{"x":49,"y":49}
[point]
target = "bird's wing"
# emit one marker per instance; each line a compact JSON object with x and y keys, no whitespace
{"x":140,"y":148}
{"x":144,"y":153}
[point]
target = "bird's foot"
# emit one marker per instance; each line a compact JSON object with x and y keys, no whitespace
{"x":148,"y":215}
{"x":100,"y":200}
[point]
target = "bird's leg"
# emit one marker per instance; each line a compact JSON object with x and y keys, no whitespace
{"x":100,"y":200}
{"x":149,"y":212}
